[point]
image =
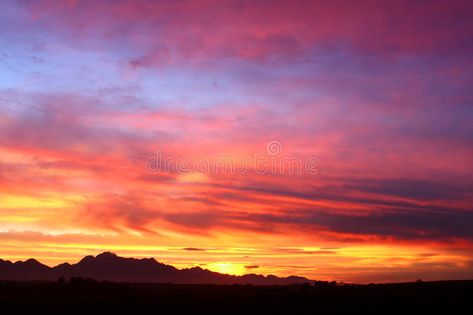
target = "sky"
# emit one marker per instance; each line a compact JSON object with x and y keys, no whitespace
{"x":325,"y":139}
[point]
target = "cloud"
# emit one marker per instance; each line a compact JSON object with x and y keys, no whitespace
{"x":414,"y":189}
{"x":194,"y":249}
{"x":119,"y":212}
{"x":398,"y":225}
{"x":255,"y":30}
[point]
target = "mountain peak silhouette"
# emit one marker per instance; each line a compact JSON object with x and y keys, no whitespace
{"x":31,"y":262}
{"x":111,"y":267}
{"x":106,"y":255}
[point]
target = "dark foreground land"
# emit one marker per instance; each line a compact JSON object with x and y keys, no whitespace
{"x":80,"y":296}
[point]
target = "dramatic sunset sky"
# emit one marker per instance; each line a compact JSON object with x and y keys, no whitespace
{"x":377,"y":95}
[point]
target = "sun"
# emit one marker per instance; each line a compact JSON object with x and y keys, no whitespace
{"x":227,"y":268}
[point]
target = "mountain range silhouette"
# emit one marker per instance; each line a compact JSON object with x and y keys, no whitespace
{"x":108,"y":266}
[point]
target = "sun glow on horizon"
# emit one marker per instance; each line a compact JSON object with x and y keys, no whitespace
{"x":227,"y":268}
